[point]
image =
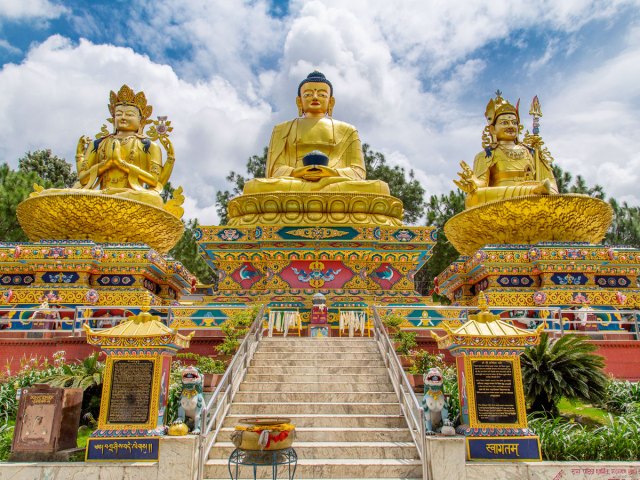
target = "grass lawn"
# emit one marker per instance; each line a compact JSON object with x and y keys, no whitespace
{"x":584,"y":413}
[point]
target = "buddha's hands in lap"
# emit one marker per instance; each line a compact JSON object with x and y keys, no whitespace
{"x":313,"y":173}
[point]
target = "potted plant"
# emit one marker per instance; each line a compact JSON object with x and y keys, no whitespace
{"x":405,"y":342}
{"x":392,"y":322}
{"x":211,"y":369}
{"x":234,"y":328}
{"x":422,"y":362}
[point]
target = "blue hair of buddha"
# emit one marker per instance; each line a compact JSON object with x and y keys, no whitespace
{"x":318,"y":77}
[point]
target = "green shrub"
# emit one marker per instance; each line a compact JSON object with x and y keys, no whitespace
{"x":562,"y":440}
{"x":6,"y":438}
{"x":423,"y":361}
{"x":623,"y":397}
{"x":450,"y":385}
{"x":204,"y":363}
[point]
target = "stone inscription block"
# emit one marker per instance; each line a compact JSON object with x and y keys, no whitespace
{"x":495,"y":396}
{"x":130,"y":394}
{"x":47,"y":420}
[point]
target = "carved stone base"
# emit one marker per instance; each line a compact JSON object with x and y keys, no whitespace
{"x":529,"y":220}
{"x":316,"y":208}
{"x":98,"y":217}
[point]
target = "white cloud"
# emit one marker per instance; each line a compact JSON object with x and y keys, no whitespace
{"x":60,"y":92}
{"x":30,"y":9}
{"x":215,"y":37}
{"x":4,"y":45}
{"x":592,"y":124}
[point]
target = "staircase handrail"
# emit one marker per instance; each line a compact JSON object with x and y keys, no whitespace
{"x":409,"y":404}
{"x":211,"y":419}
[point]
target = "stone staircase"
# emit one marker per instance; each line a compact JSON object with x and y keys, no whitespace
{"x":338,"y":394}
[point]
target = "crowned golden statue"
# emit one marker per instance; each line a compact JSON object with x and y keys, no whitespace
{"x":315,"y":171}
{"x":506,"y":168}
{"x":512,"y":195}
{"x":120,"y":177}
{"x":126,"y":162}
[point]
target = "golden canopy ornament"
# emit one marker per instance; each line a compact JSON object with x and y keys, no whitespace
{"x":120,"y":178}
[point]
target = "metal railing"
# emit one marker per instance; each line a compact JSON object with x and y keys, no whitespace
{"x":598,"y":324}
{"x":217,"y":406}
{"x":69,"y":321}
{"x":409,"y":404}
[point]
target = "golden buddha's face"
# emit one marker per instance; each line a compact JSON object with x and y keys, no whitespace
{"x":315,"y":99}
{"x":127,"y":118}
{"x":505,"y":128}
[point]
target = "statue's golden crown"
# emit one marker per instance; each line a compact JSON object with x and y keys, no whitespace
{"x":497,"y":106}
{"x":126,"y":96}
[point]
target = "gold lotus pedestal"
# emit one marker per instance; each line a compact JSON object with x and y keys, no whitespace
{"x":99,"y":217}
{"x":307,"y":208}
{"x":529,"y":220}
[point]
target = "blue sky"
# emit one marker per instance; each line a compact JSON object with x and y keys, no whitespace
{"x":414,"y":76}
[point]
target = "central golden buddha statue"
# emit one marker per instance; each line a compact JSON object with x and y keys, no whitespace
{"x":315,"y":131}
{"x":315,"y":166}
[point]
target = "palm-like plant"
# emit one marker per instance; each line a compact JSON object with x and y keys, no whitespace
{"x":562,"y":367}
{"x":84,"y":375}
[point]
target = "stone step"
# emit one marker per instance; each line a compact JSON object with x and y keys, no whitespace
{"x":316,"y":352}
{"x":320,"y":341}
{"x":335,"y":450}
{"x":318,"y":378}
{"x":341,"y":434}
{"x":314,"y":397}
{"x":323,"y":357}
{"x":324,"y":468}
{"x":279,"y":409}
{"x":332,"y":420}
{"x":303,"y":386}
{"x":317,"y":363}
{"x":326,"y":370}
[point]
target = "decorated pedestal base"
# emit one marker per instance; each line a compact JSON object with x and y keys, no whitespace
{"x":492,"y":399}
{"x":352,"y":266}
{"x":135,"y":388}
{"x":549,"y":274}
{"x":68,"y":274}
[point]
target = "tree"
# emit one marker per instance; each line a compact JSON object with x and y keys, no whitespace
{"x":563,"y":180}
{"x":256,"y":168}
{"x":14,"y":188}
{"x":562,"y":367}
{"x":406,"y":189}
{"x":438,"y":211}
{"x":625,"y":228}
{"x":53,"y":170}
{"x":186,"y":251}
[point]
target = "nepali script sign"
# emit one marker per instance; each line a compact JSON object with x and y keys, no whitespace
{"x":124,"y":449}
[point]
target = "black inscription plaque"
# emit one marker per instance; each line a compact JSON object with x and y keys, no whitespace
{"x":130,"y":394}
{"x":494,"y":391}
